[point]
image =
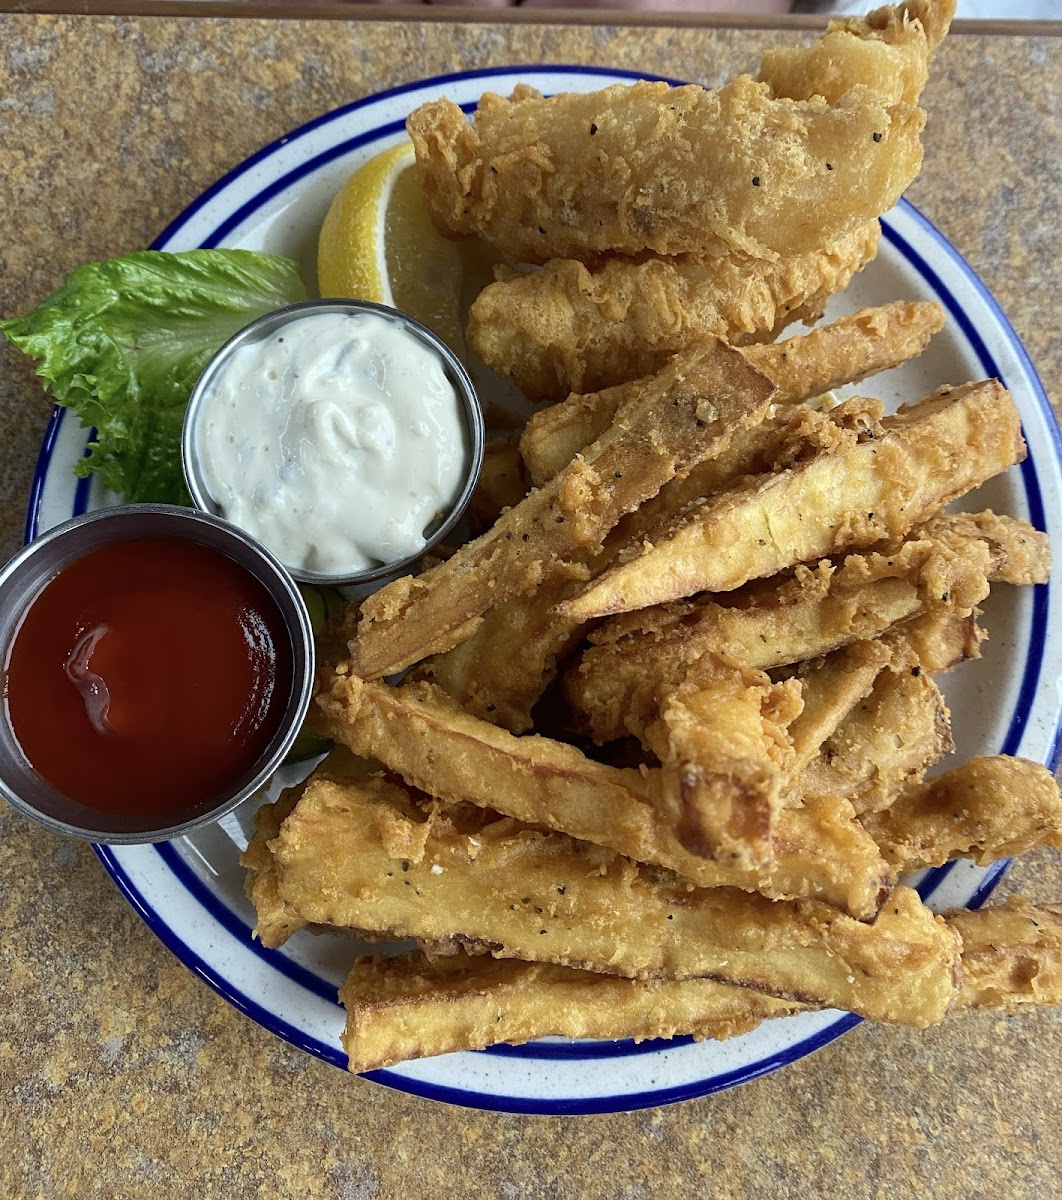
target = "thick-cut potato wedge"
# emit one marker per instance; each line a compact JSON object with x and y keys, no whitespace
{"x":885,"y":743}
{"x":277,"y":921}
{"x":426,"y":738}
{"x":721,"y":737}
{"x":879,"y":489}
{"x":412,"y":1007}
{"x":502,"y":669}
{"x":802,"y":367}
{"x":524,"y":893}
{"x":1011,"y":954}
{"x":817,"y":610}
{"x":690,"y":413}
{"x":668,"y":169}
{"x":887,"y":51}
{"x":574,"y":327}
{"x":503,"y":481}
{"x":986,"y":809}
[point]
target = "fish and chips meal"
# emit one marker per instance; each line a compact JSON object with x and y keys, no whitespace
{"x":651,"y":755}
{"x":657,"y":750}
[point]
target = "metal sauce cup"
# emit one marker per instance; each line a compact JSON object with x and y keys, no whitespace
{"x":262,"y":328}
{"x":21,"y":582}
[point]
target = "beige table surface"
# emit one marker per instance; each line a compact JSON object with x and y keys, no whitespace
{"x":123,"y":1075}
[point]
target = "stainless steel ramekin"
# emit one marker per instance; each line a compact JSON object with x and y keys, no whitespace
{"x":268,"y":324}
{"x":23,"y":578}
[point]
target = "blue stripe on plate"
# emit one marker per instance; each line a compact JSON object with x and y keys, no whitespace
{"x":590,"y":1050}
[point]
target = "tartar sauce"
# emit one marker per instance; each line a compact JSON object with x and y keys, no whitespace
{"x":335,"y":441}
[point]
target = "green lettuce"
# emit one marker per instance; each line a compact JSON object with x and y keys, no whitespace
{"x":123,"y":342}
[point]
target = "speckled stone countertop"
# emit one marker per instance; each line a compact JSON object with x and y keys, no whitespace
{"x":121,"y":1074}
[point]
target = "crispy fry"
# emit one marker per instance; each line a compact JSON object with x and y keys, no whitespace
{"x":668,"y":169}
{"x":887,"y":51}
{"x":688,"y":414}
{"x":1019,"y":554}
{"x":409,"y":1007}
{"x":877,"y":489}
{"x":802,"y":367}
{"x":503,"y":482}
{"x":426,"y":738}
{"x":575,"y":327}
{"x":277,"y":921}
{"x":816,"y":610}
{"x":986,"y":809}
{"x":341,"y":860}
{"x":885,"y":743}
{"x":721,"y":738}
{"x":1011,"y":954}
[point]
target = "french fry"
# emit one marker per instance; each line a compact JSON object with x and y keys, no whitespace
{"x":986,"y":809}
{"x":410,"y":1007}
{"x":503,"y":481}
{"x":802,"y":367}
{"x":878,"y":489}
{"x":277,"y":921}
{"x":435,"y":746}
{"x":805,"y":616}
{"x":341,"y":860}
{"x":686,"y":416}
{"x":1011,"y":954}
{"x":884,"y":744}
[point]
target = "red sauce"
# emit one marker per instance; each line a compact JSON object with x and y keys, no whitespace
{"x":148,"y":677}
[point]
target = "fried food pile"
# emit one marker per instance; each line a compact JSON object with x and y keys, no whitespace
{"x":658,"y":761}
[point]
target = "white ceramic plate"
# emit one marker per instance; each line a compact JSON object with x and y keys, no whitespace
{"x":190,"y":892}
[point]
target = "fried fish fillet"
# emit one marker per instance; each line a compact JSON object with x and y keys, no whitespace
{"x":525,"y":893}
{"x":888,"y":52}
{"x":570,"y":327}
{"x":648,"y":166}
{"x":684,"y":415}
{"x":412,"y":1007}
{"x":986,"y":809}
{"x":1011,"y":954}
{"x":845,"y":351}
{"x":876,"y":490}
{"x":435,"y":746}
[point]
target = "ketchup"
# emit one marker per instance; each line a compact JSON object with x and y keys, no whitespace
{"x":148,"y":677}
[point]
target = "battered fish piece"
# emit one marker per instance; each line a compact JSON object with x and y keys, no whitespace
{"x":340,"y":862}
{"x":801,"y":367}
{"x":987,"y":809}
{"x":876,"y":490}
{"x":575,"y":328}
{"x":1011,"y":954}
{"x":888,"y":52}
{"x":425,"y":737}
{"x":685,"y":415}
{"x":410,"y":1007}
{"x":674,"y":170}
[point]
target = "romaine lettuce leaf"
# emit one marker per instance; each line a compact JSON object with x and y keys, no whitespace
{"x":123,"y":342}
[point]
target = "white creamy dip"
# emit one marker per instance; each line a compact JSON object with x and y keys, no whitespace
{"x":335,"y":441}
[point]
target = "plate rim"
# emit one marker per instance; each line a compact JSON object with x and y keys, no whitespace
{"x":387,"y":1076}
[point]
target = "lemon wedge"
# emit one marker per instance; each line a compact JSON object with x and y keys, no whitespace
{"x":378,"y":243}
